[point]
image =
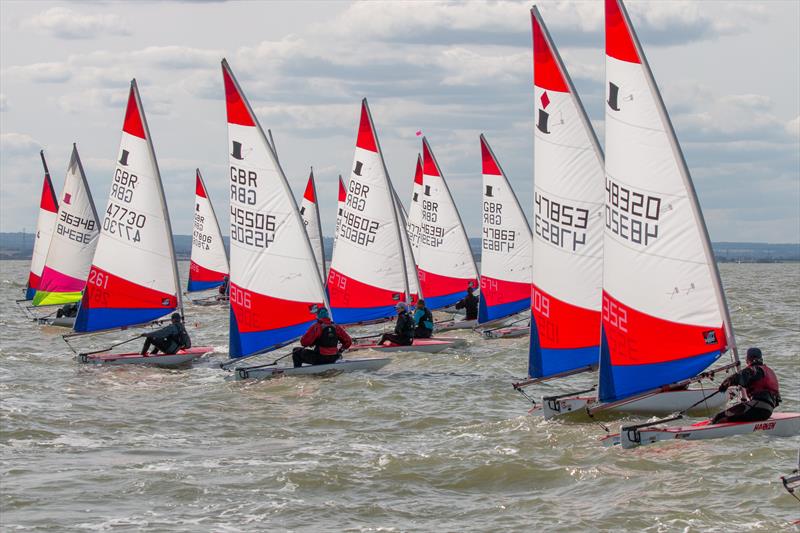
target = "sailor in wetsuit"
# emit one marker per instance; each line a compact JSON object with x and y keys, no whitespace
{"x":761,"y":385}
{"x":470,"y":303}
{"x":321,"y":343}
{"x":168,"y":339}
{"x":423,"y":319}
{"x":67,"y":311}
{"x":223,"y":289}
{"x":403,"y":328}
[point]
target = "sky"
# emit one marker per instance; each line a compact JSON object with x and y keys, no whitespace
{"x":729,"y":73}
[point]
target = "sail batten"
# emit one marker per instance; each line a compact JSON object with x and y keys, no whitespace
{"x":665,"y":318}
{"x":568,"y":225}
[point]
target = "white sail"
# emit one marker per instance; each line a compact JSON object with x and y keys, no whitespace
{"x":414,"y":222}
{"x":367,"y":275}
{"x":505,"y":277}
{"x":208,"y":267}
{"x":45,"y":223}
{"x":74,"y":240}
{"x":568,"y":220}
{"x":664,"y":315}
{"x":134,"y":277}
{"x":445,"y":263}
{"x":309,"y":210}
{"x":275,"y":287}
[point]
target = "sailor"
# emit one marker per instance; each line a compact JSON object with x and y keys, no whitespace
{"x":67,"y":311}
{"x":168,"y":339}
{"x":403,"y":328}
{"x":470,"y":303}
{"x":761,"y":386}
{"x":423,"y":320}
{"x":223,"y":289}
{"x":323,"y":343}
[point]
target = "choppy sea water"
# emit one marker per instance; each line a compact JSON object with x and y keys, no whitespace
{"x":429,"y":443}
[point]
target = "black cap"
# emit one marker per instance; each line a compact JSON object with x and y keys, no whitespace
{"x":176,"y":317}
{"x":754,"y":354}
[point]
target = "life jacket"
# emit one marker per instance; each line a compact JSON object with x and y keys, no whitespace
{"x":328,"y":338}
{"x":184,"y":341}
{"x":767,"y":383}
{"x":427,"y":319}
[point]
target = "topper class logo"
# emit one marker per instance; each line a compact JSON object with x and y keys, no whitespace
{"x":544,"y":116}
{"x":613,"y":96}
{"x":236,"y":151}
{"x":123,"y":160}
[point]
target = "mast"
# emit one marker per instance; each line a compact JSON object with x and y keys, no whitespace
{"x":162,"y":197}
{"x":401,"y":212}
{"x":687,"y":181}
{"x":389,"y":191}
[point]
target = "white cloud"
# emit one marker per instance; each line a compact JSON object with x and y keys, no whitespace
{"x":41,"y":72}
{"x":18,"y":143}
{"x":177,"y":57}
{"x":64,"y":23}
{"x":793,"y":127}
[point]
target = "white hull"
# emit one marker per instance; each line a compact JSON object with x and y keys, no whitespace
{"x":182,"y":358}
{"x":345,"y":365}
{"x":432,"y":345}
{"x":455,"y":324}
{"x":511,"y":332}
{"x":663,"y":403}
{"x":779,"y":425}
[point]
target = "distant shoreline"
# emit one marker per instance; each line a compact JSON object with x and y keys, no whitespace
{"x":19,"y":246}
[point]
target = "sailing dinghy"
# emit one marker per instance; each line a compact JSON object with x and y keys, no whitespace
{"x":208,"y":267}
{"x":309,"y":211}
{"x":72,"y":245}
{"x":275,"y":282}
{"x":506,"y":254}
{"x":665,"y":317}
{"x":45,"y":223}
{"x":445,"y":262}
{"x":133,"y":279}
{"x":369,"y":271}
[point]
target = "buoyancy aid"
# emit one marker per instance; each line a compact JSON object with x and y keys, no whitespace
{"x":328,"y":338}
{"x":766,"y":386}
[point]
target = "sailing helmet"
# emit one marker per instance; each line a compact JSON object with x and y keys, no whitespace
{"x":323,"y":313}
{"x":176,"y":317}
{"x":754,"y":354}
{"x":400,"y":306}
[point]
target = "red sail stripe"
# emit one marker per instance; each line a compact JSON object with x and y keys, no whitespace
{"x":366,"y":137}
{"x":562,"y":325}
{"x":342,"y":191}
{"x":418,"y":171}
{"x":546,"y":73}
{"x":48,"y":201}
{"x":198,"y":187}
{"x":347,"y":292}
{"x":259,"y":312}
{"x":636,"y":338}
{"x":428,"y":163}
{"x":619,"y":42}
{"x":309,"y":194}
{"x":133,"y":118}
{"x":489,"y":164}
{"x":109,"y":291}
{"x":237,"y":110}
